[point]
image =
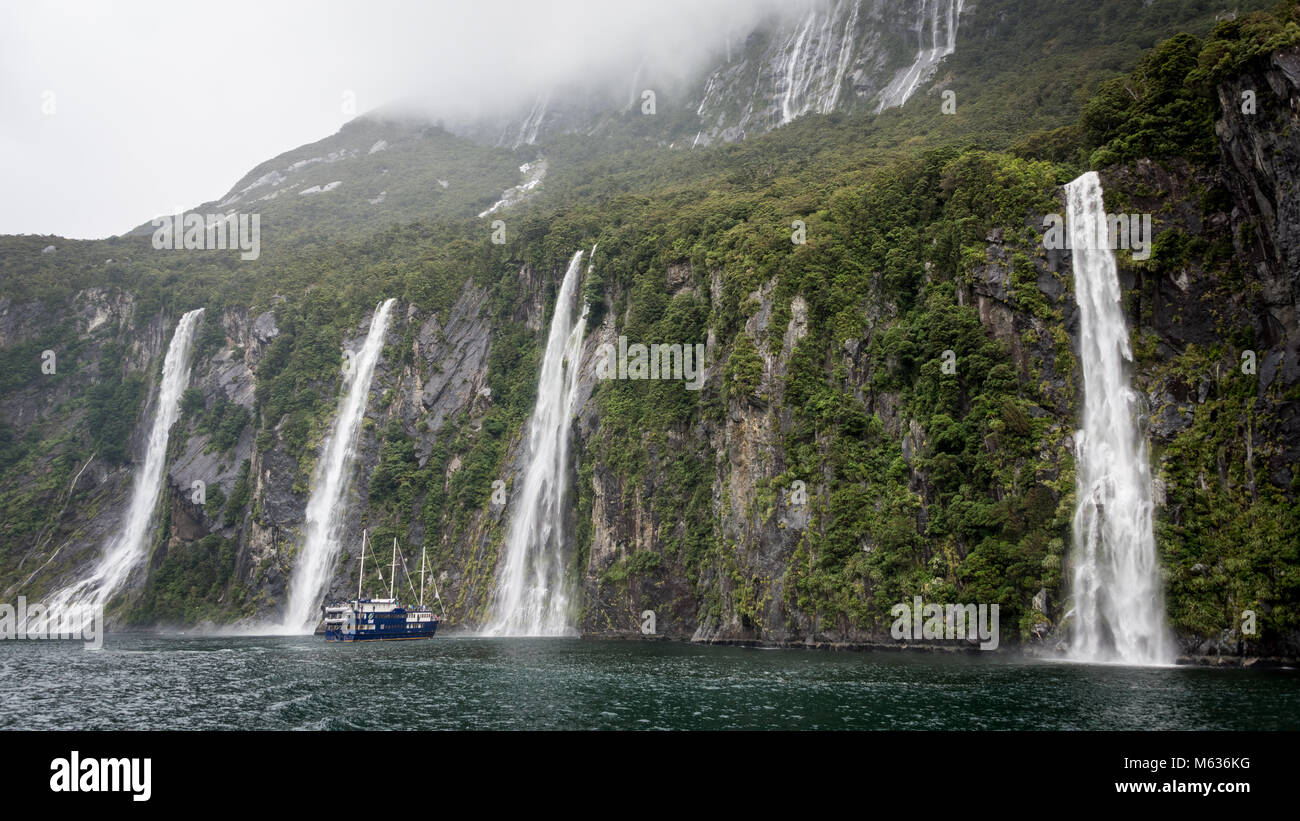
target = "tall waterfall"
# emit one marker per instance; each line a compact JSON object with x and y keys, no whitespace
{"x":817,"y":57}
{"x":936,"y":32}
{"x":532,"y":595}
{"x":828,"y":55}
{"x":330,"y":482}
{"x":1118,"y":610}
{"x":128,"y":547}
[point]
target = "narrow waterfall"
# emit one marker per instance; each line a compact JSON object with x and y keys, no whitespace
{"x":938,"y":19}
{"x":331,"y":479}
{"x":1118,"y":612}
{"x":816,"y":59}
{"x":532,"y":124}
{"x":532,"y":595}
{"x":831,"y":96}
{"x":128,"y":547}
{"x":822,"y":59}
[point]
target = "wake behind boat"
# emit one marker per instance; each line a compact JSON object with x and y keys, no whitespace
{"x":386,"y":619}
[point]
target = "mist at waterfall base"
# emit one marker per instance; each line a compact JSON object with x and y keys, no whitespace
{"x":1118,"y":611}
{"x":331,"y":480}
{"x":461,"y":682}
{"x":533,"y":595}
{"x":128,"y":547}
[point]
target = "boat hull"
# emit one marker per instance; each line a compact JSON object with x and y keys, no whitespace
{"x":378,"y":620}
{"x":403,"y":633}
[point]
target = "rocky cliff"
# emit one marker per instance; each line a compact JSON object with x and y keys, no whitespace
{"x":1223,"y":293}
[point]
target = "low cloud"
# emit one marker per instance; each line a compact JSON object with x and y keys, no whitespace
{"x":158,"y":105}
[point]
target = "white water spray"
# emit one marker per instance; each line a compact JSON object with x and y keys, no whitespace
{"x":533,"y":122}
{"x":126,"y":550}
{"x":1118,"y":613}
{"x":816,"y":59}
{"x":943,"y":17}
{"x":532,"y":596}
{"x":330,"y":482}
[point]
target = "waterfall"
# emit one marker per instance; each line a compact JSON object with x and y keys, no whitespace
{"x":815,"y":61}
{"x":331,"y":479}
{"x":795,"y":66}
{"x":927,"y":60}
{"x":1118,"y":612}
{"x":126,"y":550}
{"x":532,"y":594}
{"x":533,"y":122}
{"x":832,"y":96}
{"x":824,"y":58}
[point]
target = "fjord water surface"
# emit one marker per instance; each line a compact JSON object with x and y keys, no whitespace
{"x":144,"y":681}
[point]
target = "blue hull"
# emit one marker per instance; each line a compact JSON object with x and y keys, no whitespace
{"x":393,"y":634}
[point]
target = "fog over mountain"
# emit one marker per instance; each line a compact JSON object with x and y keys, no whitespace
{"x":100,"y":135}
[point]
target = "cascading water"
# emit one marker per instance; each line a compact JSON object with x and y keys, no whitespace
{"x":532,"y":124}
{"x":532,"y":594}
{"x":126,"y":550}
{"x":942,"y":17}
{"x":330,"y":481}
{"x":1118,"y":612}
{"x":827,"y":56}
{"x":816,"y":60}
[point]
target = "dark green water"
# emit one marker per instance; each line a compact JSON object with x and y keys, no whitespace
{"x":155,"y":682}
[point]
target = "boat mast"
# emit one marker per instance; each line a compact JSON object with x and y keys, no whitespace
{"x":438,"y":596}
{"x":422,"y":575}
{"x":393,"y":573}
{"x":362,"y":575}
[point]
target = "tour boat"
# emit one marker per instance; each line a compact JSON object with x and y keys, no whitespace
{"x":386,"y":619}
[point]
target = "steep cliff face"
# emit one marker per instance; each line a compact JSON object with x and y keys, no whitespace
{"x":811,"y":58}
{"x":1220,"y":289}
{"x":233,"y":500}
{"x":759,"y":519}
{"x":1234,"y":377}
{"x":88,"y":490}
{"x":1261,"y":159}
{"x":836,"y":56}
{"x":433,"y":371}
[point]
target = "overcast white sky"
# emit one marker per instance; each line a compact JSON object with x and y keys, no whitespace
{"x":113,"y":112}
